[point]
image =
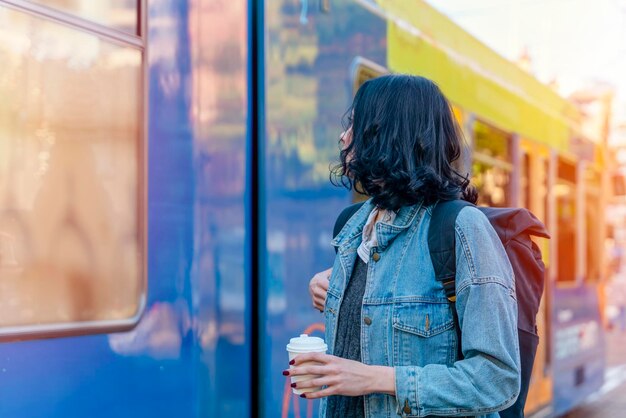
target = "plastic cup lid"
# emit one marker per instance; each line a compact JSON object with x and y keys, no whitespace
{"x":306,"y":344}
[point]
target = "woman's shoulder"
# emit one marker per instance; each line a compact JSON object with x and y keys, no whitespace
{"x":472,"y":217}
{"x":482,"y":247}
{"x":473,"y":226}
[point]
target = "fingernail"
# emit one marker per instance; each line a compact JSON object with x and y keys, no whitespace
{"x":293,"y":385}
{"x":292,"y":362}
{"x":303,"y":395}
{"x":286,"y":373}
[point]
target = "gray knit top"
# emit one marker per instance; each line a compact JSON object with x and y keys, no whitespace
{"x":348,"y":341}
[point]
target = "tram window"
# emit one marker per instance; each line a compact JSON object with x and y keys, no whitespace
{"x":565,"y":193}
{"x":491,"y":165}
{"x":71,"y":198}
{"x":619,"y":184}
{"x":118,"y":14}
{"x":566,"y":171}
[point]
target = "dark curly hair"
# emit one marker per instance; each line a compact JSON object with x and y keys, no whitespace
{"x":404,"y":140}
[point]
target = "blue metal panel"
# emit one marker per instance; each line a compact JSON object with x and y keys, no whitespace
{"x":308,"y":55}
{"x":578,"y":346}
{"x":190,"y":353}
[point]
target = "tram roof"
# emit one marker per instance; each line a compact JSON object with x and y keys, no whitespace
{"x":423,"y":41}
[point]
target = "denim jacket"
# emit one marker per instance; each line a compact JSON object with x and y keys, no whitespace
{"x":407,"y":322}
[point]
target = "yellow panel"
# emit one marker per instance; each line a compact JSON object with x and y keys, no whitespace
{"x":425,"y":42}
{"x":534,"y":148}
{"x":458,"y":114}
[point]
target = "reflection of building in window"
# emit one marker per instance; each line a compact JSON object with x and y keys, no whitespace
{"x":7,"y":251}
{"x":492,"y":183}
{"x":219,"y":110}
{"x":72,"y":249}
{"x":70,"y":165}
{"x":16,"y":249}
{"x":492,"y":167}
{"x":15,"y":245}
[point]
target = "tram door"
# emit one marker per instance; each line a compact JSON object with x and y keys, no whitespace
{"x":533,"y":188}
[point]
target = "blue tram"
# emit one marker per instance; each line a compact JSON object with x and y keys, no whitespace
{"x":164,"y":195}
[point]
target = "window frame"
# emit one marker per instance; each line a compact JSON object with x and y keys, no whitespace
{"x":77,"y":22}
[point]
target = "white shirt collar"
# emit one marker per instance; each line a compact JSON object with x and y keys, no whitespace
{"x":369,"y":231}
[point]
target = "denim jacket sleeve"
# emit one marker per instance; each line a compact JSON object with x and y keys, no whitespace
{"x":488,"y":378}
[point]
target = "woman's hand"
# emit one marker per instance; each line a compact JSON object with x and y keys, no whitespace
{"x":340,"y":376}
{"x":318,"y":286}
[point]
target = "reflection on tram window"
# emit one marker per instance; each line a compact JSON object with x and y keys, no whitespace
{"x":118,"y":14}
{"x":70,"y":246}
{"x":492,"y":183}
{"x":304,"y":99}
{"x":308,"y":59}
{"x":565,"y":193}
{"x":491,"y":168}
{"x":492,"y":142}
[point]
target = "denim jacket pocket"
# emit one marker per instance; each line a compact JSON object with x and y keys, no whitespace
{"x":423,"y":333}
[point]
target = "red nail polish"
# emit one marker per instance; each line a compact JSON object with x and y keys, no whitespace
{"x":286,"y":373}
{"x":292,"y":362}
{"x":303,"y":395}
{"x":293,"y":385}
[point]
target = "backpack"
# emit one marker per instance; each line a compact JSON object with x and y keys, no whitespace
{"x":514,"y":227}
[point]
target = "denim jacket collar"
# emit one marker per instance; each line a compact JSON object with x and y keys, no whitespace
{"x":350,"y":235}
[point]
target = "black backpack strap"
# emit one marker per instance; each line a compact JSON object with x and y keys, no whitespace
{"x":344,"y":216}
{"x":441,"y":245}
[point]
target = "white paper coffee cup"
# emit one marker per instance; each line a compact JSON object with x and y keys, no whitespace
{"x":301,"y":345}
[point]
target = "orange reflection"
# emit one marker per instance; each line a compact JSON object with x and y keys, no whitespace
{"x":69,"y":184}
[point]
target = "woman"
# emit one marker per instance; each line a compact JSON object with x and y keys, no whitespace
{"x":389,"y":326}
